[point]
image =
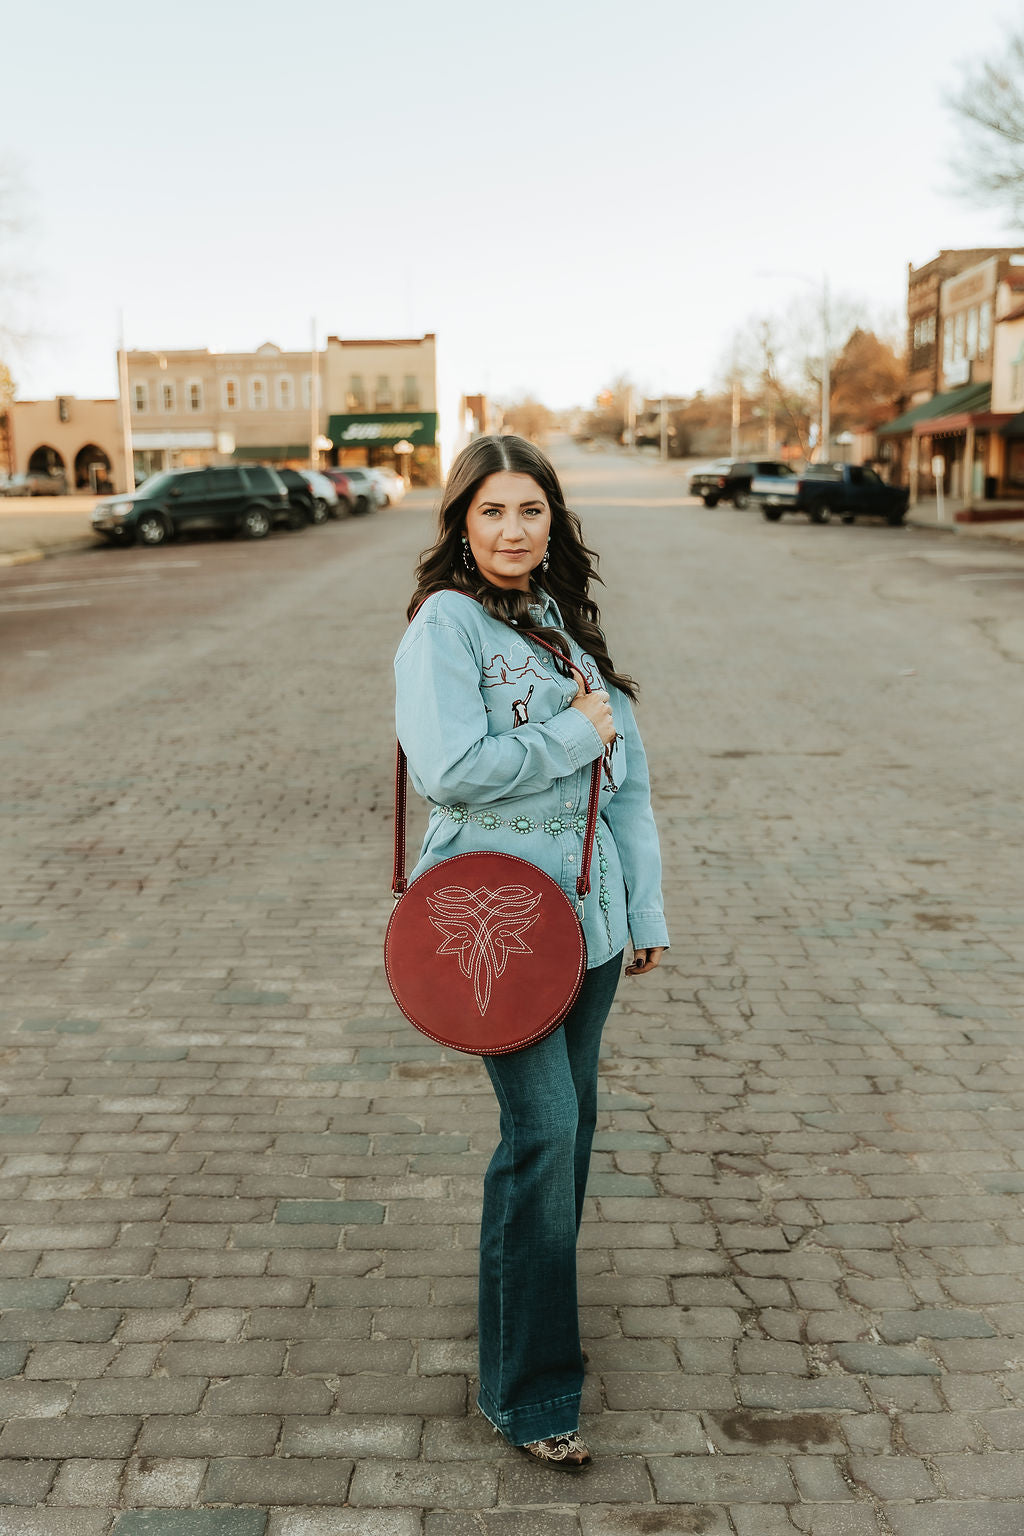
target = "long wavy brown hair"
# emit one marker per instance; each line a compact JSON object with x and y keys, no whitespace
{"x":572,"y":565}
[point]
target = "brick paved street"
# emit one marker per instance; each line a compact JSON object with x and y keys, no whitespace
{"x":240,"y":1195}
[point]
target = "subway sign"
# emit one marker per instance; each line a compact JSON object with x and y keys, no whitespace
{"x":368,"y":431}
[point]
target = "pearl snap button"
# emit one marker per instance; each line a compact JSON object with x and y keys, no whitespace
{"x":568,"y":805}
{"x":572,"y":858}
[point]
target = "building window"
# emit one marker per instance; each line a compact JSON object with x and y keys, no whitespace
{"x":383,"y":392}
{"x":947,"y":343}
{"x":195,"y":395}
{"x":140,"y":399}
{"x":285,"y":392}
{"x":972,"y":331}
{"x":1017,"y":376}
{"x":167,"y":399}
{"x":307,"y":391}
{"x":231,"y":395}
{"x":959,"y":336}
{"x":257,"y":394}
{"x":410,"y":393}
{"x":984,"y":330}
{"x":356,"y":393}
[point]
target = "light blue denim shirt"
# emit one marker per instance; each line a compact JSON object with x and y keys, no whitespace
{"x":485,"y":721}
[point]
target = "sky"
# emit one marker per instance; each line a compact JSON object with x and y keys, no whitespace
{"x":563,"y":190}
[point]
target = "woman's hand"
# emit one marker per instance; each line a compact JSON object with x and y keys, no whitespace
{"x":598,"y":710}
{"x":644,"y":960}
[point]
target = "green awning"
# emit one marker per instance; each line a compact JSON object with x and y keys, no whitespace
{"x":383,"y":430}
{"x":275,"y":454}
{"x":972,"y":397}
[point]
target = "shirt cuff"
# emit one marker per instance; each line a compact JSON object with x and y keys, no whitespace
{"x":648,"y":930}
{"x":578,"y":735}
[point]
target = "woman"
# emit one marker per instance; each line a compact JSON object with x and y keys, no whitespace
{"x":501,"y":739}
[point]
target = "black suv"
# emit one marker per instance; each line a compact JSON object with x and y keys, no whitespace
{"x":729,"y":479}
{"x":302,"y":498}
{"x":247,"y":499}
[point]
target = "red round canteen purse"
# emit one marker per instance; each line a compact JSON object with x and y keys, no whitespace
{"x":484,"y":952}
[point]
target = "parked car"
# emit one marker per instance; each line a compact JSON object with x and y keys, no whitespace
{"x":346,"y":495}
{"x":730,"y":479}
{"x":301,"y":498}
{"x":366,"y":493}
{"x":827,"y":490}
{"x":35,"y":483}
{"x":247,"y":499}
{"x":325,"y":496}
{"x":392,"y":485}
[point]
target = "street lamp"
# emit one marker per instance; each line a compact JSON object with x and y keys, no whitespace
{"x":403,"y":452}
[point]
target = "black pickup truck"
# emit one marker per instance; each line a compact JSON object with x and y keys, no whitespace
{"x":729,"y":479}
{"x":831,"y":490}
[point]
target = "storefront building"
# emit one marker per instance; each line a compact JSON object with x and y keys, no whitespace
{"x":79,"y":440}
{"x":381,"y":403}
{"x":191,"y":408}
{"x":952,"y":431}
{"x":376,"y":403}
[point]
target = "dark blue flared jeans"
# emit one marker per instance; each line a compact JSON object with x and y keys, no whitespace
{"x":531,"y":1369}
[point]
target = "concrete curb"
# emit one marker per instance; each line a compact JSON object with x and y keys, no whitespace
{"x":42,"y":552}
{"x":1000,"y":533}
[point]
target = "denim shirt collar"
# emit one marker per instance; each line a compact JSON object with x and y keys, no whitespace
{"x":544,"y":609}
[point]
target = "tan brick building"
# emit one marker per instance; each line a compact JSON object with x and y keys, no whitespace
{"x":201,"y":407}
{"x":80,"y":439}
{"x":379,"y":394}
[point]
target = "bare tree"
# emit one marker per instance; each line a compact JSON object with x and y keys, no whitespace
{"x":611,"y":410}
{"x":528,"y":418}
{"x":14,"y":279}
{"x":778,"y":359}
{"x":989,"y":166}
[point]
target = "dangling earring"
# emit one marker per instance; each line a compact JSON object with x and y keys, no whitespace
{"x":547,"y":558}
{"x":467,"y":558}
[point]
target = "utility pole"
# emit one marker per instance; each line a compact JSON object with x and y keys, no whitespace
{"x":314,"y":398}
{"x":664,"y":430}
{"x":734,"y":438}
{"x":126,"y":410}
{"x":826,"y":376}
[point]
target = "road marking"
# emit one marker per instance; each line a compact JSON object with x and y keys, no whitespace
{"x":165,"y":565}
{"x":73,"y":602}
{"x":90,"y":581}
